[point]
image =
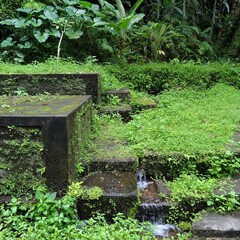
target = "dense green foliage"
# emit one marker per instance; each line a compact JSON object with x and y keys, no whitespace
{"x":47,"y":217}
{"x":190,"y":194}
{"x":154,"y":77}
{"x":107,"y":29}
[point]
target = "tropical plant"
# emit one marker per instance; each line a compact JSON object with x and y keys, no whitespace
{"x":45,"y":21}
{"x":118,"y":21}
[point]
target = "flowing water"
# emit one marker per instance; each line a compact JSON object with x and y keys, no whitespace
{"x":155,"y":211}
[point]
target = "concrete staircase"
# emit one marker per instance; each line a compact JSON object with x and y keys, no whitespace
{"x":114,"y":170}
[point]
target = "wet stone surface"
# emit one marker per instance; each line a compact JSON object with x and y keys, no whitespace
{"x":217,"y":225}
{"x":119,"y":194}
{"x":113,"y":183}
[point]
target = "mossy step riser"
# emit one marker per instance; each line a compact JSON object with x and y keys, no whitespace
{"x":124,"y":111}
{"x":171,"y":166}
{"x":123,"y":94}
{"x":119,"y":194}
{"x":63,"y":84}
{"x":115,"y":166}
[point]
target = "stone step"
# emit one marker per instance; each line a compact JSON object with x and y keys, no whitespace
{"x":124,"y":110}
{"x":153,"y":206}
{"x":232,"y":184}
{"x":235,"y":146}
{"x":143,"y":103}
{"x":119,"y":194}
{"x":217,"y":225}
{"x":122,"y":93}
{"x":125,"y":164}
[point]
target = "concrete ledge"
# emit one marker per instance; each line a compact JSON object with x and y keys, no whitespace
{"x":217,"y":225}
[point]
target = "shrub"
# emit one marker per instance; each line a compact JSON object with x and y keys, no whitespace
{"x":155,"y":78}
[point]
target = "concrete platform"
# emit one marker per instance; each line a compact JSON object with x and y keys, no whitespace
{"x":64,"y":122}
{"x":217,"y":225}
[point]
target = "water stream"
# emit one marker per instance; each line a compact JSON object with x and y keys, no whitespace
{"x":152,"y":209}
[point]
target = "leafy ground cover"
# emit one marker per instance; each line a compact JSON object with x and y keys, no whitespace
{"x":187,"y":121}
{"x":52,"y":65}
{"x":47,"y":217}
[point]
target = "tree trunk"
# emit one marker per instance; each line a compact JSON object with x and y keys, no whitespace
{"x":59,"y":44}
{"x":184,"y":9}
{"x":213,"y":18}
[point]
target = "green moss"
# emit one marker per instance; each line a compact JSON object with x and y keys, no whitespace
{"x":79,"y":126}
{"x":21,"y":160}
{"x":188,"y":122}
{"x":109,"y":143}
{"x":38,"y":105}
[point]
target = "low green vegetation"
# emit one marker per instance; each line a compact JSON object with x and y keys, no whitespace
{"x":44,"y":216}
{"x":67,"y":66}
{"x":187,"y":121}
{"x":108,"y":139}
{"x":190,"y":194}
{"x":157,"y":77}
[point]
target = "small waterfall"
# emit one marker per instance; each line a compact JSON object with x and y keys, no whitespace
{"x":142,"y":180}
{"x":152,"y":209}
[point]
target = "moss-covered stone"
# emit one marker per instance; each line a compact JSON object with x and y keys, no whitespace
{"x":64,"y":125}
{"x":61,"y":84}
{"x":119,"y":194}
{"x":21,"y":165}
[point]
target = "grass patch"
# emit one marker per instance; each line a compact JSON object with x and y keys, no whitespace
{"x":52,"y":66}
{"x":108,"y":139}
{"x":187,"y":121}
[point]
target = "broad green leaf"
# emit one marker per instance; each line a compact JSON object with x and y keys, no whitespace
{"x":71,"y":34}
{"x":54,"y":32}
{"x":50,"y":14}
{"x":135,"y":7}
{"x":7,"y":43}
{"x":80,"y":12}
{"x":20,"y":23}
{"x":52,"y":196}
{"x":41,"y":37}
{"x":98,"y":22}
{"x":95,"y":8}
{"x":71,"y":10}
{"x":25,"y":10}
{"x":8,"y":22}
{"x":105,"y":45}
{"x":86,"y":4}
{"x":26,"y":45}
{"x":135,"y":19}
{"x":125,"y":22}
{"x":39,"y":195}
{"x":70,"y":2}
{"x":35,"y":22}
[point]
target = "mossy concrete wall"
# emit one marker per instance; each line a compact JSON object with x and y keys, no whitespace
{"x":62,"y":84}
{"x":21,"y":164}
{"x":64,"y":123}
